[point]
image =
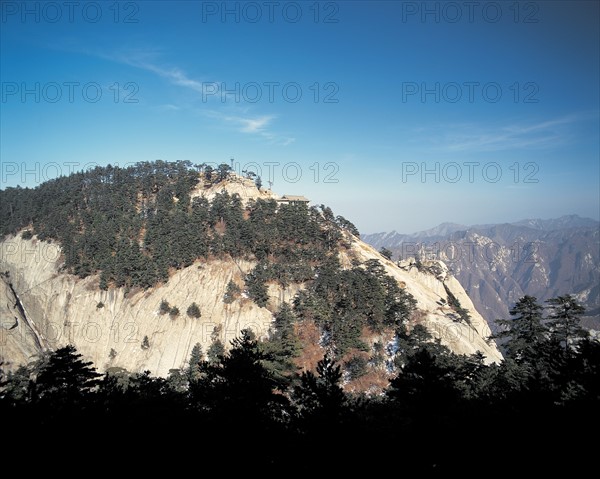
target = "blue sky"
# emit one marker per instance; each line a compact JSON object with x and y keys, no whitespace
{"x":398,"y":115}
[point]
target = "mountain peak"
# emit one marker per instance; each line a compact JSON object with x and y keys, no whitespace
{"x":443,"y":229}
{"x":243,"y":186}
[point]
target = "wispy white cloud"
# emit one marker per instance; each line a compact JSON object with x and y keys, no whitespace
{"x":470,"y":137}
{"x":209,"y":91}
{"x":148,"y":60}
{"x":169,"y":107}
{"x":254,"y":125}
{"x":544,"y":125}
{"x":259,"y":125}
{"x":546,"y":134}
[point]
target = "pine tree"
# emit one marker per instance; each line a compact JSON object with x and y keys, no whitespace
{"x":347,"y":225}
{"x":256,"y":286}
{"x":564,"y":321}
{"x":216,"y":350}
{"x":356,"y":367}
{"x":193,"y":311}
{"x":223,"y":172}
{"x":18,"y":385}
{"x":430,"y":377}
{"x":454,"y":303}
{"x":319,"y":398}
{"x":409,"y":342}
{"x":239,"y":389}
{"x":164,"y":307}
{"x":282,"y":347}
{"x":531,"y":368}
{"x":386,"y":253}
{"x":208,"y":173}
{"x":65,"y":377}
{"x":231,"y":293}
{"x":525,"y":332}
{"x":196,"y":357}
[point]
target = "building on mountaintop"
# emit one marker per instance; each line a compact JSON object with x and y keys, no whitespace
{"x":292,"y":199}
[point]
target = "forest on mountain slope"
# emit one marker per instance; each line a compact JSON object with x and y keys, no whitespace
{"x":132,"y":225}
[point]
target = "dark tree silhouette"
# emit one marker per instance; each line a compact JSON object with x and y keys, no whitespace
{"x":386,"y":253}
{"x":319,"y":397}
{"x":239,"y":388}
{"x":65,"y":377}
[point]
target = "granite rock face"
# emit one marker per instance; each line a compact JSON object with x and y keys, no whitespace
{"x":42,"y":308}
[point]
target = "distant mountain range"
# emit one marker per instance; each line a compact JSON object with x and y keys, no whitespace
{"x":499,"y":263}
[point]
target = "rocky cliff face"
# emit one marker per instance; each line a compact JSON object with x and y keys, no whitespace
{"x":59,"y":309}
{"x":434,"y":312}
{"x":43,"y":308}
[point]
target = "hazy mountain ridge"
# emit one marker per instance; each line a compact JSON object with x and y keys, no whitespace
{"x":499,"y":263}
{"x":393,"y":238}
{"x":563,"y":222}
